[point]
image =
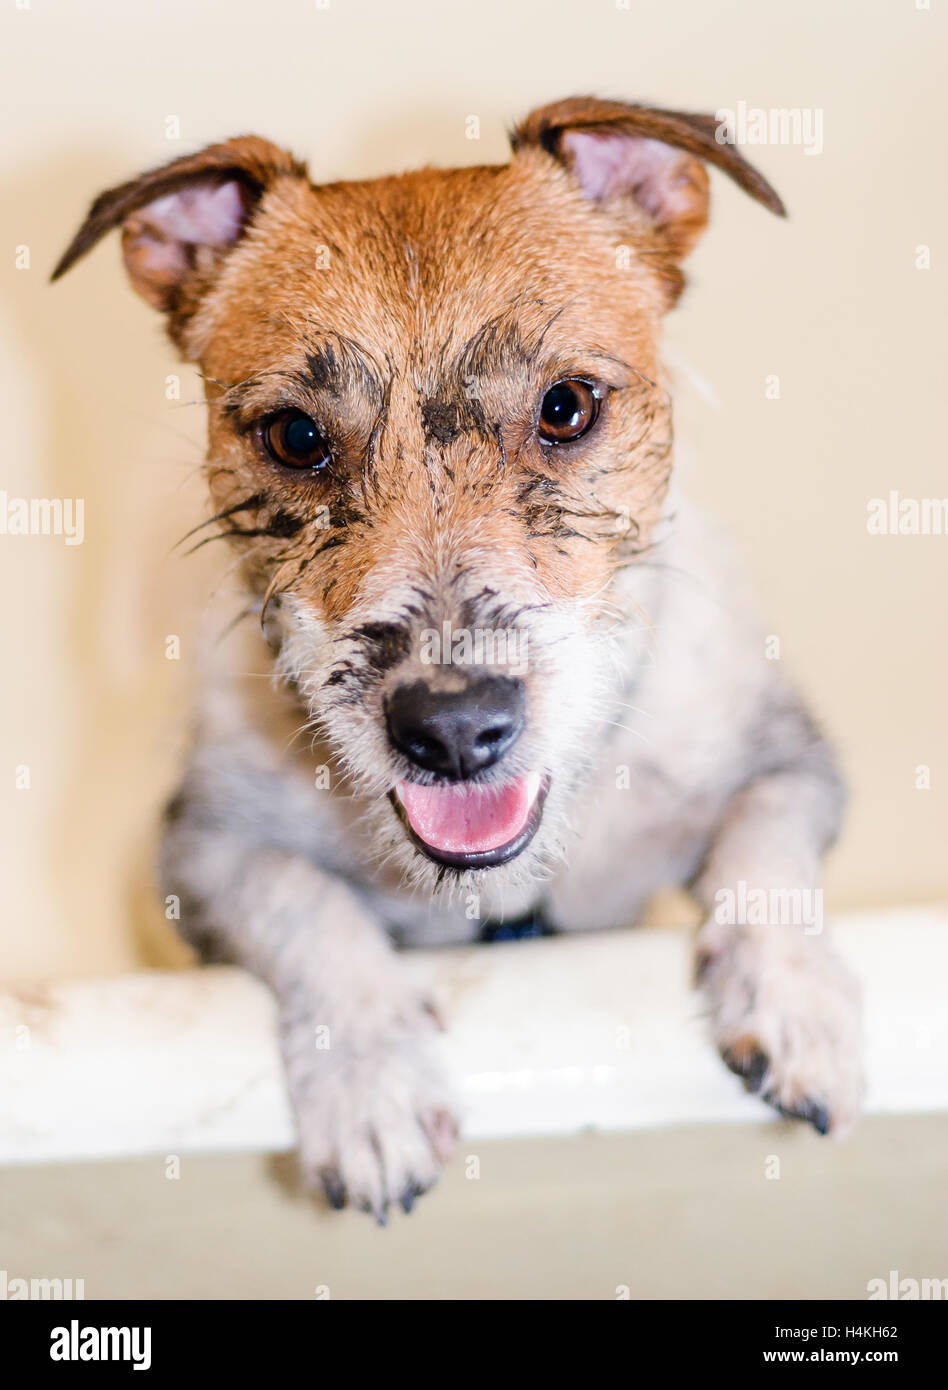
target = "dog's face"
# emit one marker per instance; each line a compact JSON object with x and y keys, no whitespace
{"x":437,"y":436}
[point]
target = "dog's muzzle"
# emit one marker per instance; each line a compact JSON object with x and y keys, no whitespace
{"x":456,"y":734}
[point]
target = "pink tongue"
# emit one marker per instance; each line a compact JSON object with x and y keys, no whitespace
{"x":467,"y":820}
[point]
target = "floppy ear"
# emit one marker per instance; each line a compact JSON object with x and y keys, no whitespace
{"x":180,"y":220}
{"x":653,"y":157}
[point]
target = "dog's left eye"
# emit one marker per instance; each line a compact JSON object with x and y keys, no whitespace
{"x":568,"y":411}
{"x":295,"y":440}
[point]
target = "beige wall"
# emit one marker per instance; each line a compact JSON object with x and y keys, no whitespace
{"x":830,"y":302}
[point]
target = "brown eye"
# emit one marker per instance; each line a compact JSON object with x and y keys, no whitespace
{"x":296,"y":441}
{"x":568,"y":411}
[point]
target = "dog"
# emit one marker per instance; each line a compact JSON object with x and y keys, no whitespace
{"x":533,"y":687}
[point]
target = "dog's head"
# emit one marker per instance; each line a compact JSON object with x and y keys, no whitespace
{"x":437,"y":438}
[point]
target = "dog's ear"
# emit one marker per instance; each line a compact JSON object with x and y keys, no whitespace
{"x":180,"y":220}
{"x":654,"y":157}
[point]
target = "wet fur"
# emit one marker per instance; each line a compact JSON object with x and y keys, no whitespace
{"x":419,"y":319}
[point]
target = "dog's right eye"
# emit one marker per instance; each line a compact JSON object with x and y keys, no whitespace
{"x":295,"y":440}
{"x":568,"y":411}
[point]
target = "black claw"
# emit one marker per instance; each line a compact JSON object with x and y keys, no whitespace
{"x":380,"y":1213}
{"x":410,"y":1196}
{"x":815,"y":1114}
{"x":757,"y":1067}
{"x":809,"y":1111}
{"x":751,"y":1067}
{"x":335,"y":1190}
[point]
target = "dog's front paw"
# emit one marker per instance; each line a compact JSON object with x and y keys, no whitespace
{"x":787,"y":1021}
{"x":374,"y":1116}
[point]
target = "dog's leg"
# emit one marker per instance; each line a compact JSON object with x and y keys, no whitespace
{"x":372,"y":1111}
{"x":784,"y":1011}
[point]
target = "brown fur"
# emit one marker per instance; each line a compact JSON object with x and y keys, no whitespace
{"x":550,"y":292}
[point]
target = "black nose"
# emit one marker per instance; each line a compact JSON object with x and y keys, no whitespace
{"x":456,"y":733}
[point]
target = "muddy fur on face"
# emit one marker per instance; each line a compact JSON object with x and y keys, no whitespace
{"x":527,"y":673}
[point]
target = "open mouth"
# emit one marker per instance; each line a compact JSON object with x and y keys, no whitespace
{"x":467,"y":826}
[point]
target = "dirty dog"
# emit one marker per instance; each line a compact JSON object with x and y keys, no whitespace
{"x":527,"y":674}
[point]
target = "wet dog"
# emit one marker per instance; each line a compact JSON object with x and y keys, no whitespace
{"x":440,"y":443}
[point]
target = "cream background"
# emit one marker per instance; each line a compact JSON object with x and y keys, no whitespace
{"x":830,"y":301}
